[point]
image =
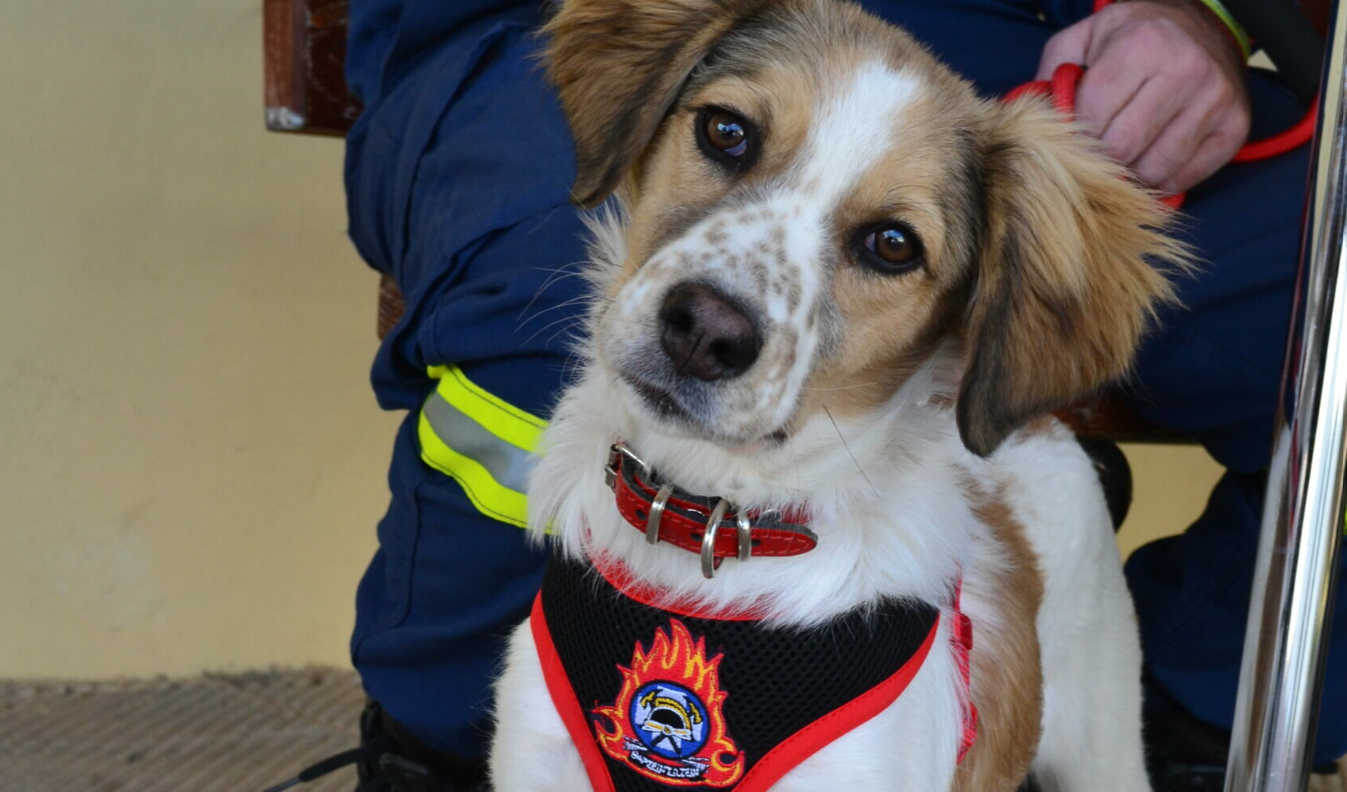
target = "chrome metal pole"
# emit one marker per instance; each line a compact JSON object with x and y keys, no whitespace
{"x":1292,"y":603}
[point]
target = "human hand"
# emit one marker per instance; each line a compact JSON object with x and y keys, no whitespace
{"x":1163,"y":89}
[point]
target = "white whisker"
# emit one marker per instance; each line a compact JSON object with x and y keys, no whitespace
{"x":847,"y":446}
{"x":842,"y":387}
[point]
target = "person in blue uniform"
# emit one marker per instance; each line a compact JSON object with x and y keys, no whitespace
{"x":458,"y":176}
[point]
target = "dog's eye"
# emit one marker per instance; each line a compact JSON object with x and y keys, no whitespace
{"x":891,"y":249}
{"x":726,"y":132}
{"x":724,"y":136}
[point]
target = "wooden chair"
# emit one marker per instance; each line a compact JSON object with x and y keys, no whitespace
{"x":305,"y":52}
{"x":306,"y":94}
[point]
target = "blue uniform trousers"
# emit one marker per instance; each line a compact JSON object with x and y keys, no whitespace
{"x":458,"y":178}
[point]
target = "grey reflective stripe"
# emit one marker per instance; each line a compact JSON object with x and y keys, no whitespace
{"x":507,"y":464}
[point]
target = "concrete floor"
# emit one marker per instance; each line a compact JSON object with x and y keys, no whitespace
{"x":209,"y":734}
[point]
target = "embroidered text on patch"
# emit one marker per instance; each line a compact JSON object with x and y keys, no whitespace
{"x":668,"y":722}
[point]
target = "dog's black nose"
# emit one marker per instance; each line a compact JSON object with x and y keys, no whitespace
{"x":705,"y":335}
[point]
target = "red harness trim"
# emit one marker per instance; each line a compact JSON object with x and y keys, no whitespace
{"x":619,"y":578}
{"x":563,"y":698}
{"x":684,"y":520}
{"x":811,"y":739}
{"x":961,"y":631}
{"x":961,"y":634}
{"x":774,"y":764}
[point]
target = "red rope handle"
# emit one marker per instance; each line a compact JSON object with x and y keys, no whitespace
{"x":1282,"y":142}
{"x":1062,"y":89}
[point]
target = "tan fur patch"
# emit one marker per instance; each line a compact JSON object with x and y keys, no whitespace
{"x":619,"y":65}
{"x":891,"y":324}
{"x":1006,"y":676}
{"x":677,"y":184}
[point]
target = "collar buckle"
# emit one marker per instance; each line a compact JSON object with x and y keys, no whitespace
{"x":616,"y":451}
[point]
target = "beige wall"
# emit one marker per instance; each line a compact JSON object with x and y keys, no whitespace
{"x":191,"y":464}
{"x":1171,"y":487}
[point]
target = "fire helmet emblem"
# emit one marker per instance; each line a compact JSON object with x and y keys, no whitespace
{"x":667,"y":722}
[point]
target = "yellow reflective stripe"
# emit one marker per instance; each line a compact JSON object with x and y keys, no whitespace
{"x":504,"y":420}
{"x":477,"y":420}
{"x":488,"y":496}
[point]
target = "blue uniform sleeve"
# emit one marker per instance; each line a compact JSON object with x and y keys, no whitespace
{"x":1061,"y":13}
{"x":388,"y":37}
{"x":445,"y":87}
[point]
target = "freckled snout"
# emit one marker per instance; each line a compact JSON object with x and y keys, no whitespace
{"x":705,"y":334}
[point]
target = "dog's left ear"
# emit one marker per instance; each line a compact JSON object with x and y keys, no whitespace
{"x":1073,"y":266}
{"x":619,"y":65}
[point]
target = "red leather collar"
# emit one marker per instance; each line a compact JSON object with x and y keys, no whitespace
{"x":665,"y":513}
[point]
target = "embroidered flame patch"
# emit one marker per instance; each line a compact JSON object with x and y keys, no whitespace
{"x":667,"y":722}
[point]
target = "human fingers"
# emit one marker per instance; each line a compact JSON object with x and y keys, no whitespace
{"x":1192,"y":148}
{"x":1142,"y":120}
{"x":1068,"y":45}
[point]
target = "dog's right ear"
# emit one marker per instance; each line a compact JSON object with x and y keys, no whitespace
{"x":619,"y":66}
{"x":1076,"y":261}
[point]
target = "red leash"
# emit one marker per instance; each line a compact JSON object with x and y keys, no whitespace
{"x":1062,"y":89}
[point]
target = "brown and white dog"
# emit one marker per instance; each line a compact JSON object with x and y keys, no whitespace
{"x":840,"y":278}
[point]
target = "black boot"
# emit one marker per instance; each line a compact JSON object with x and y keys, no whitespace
{"x":390,"y":759}
{"x":1187,"y":755}
{"x":1184,"y":753}
{"x":405,"y":764}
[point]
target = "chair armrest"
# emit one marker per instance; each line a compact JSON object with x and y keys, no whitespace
{"x":305,"y":53}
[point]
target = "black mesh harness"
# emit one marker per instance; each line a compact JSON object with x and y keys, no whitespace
{"x":658,"y":698}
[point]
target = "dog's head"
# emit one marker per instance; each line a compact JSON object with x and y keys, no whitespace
{"x":816,"y":204}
